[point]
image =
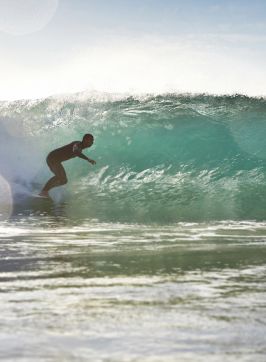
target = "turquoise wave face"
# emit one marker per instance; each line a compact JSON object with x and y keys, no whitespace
{"x":161,"y":158}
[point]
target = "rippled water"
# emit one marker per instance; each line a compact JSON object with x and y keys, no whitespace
{"x":131,"y":292}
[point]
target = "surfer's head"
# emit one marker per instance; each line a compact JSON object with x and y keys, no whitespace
{"x":87,"y":140}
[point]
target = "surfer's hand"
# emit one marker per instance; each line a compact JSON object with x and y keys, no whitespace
{"x":92,"y":162}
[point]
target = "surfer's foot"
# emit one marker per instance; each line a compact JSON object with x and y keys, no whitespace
{"x":44,"y":194}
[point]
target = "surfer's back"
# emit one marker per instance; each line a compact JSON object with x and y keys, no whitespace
{"x":63,"y":153}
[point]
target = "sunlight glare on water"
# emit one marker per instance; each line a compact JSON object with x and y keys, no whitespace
{"x":132,"y":292}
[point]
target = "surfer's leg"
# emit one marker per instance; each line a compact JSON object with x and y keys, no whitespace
{"x":57,"y":180}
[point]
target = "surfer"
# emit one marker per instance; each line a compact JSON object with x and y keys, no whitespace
{"x":56,"y":157}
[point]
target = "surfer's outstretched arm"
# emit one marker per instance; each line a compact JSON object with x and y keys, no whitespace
{"x":80,"y":155}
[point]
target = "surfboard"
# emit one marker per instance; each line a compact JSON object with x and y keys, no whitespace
{"x":37,"y":196}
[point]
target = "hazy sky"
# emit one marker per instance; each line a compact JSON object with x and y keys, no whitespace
{"x":61,"y":46}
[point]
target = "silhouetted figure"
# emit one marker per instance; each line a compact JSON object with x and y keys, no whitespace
{"x":56,"y":157}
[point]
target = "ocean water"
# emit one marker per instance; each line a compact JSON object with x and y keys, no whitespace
{"x":156,"y":253}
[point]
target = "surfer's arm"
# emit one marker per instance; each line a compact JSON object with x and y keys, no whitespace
{"x":77,"y":152}
{"x":80,"y":155}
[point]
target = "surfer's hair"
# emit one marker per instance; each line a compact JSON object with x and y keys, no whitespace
{"x":88,"y":135}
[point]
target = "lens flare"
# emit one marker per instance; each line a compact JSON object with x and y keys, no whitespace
{"x":249,"y":131}
{"x":6,"y":203}
{"x":27,"y":16}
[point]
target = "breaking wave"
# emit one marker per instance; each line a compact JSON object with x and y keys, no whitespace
{"x":163,"y":158}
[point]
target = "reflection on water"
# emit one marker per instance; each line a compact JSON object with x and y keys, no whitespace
{"x":109,"y":292}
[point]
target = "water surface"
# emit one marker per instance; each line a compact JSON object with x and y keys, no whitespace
{"x":132,"y":292}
